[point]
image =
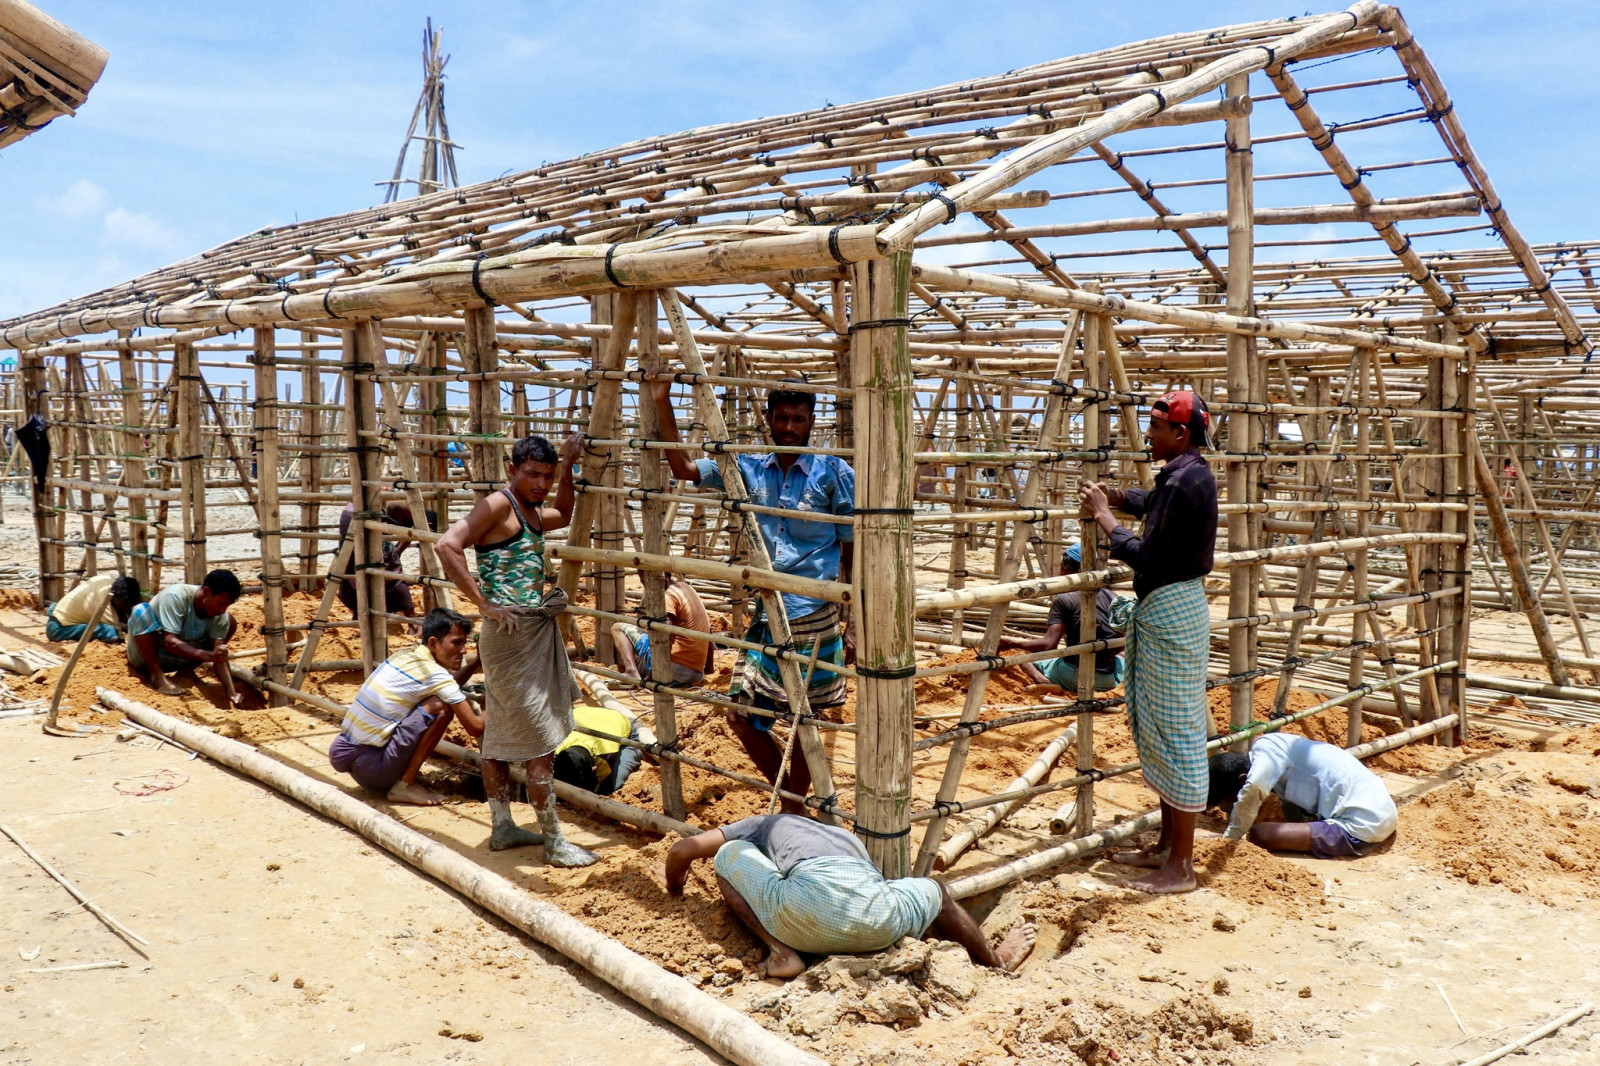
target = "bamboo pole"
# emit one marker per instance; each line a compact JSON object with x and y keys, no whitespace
{"x":190,"y":463}
{"x":727,"y":1031}
{"x":962,"y":839}
{"x":268,"y":511}
{"x":653,"y":477}
{"x":883,"y":579}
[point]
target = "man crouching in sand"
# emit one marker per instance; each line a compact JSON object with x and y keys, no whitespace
{"x":403,"y":710}
{"x":801,"y":886}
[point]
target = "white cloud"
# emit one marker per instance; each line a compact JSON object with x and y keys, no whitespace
{"x":81,"y":199}
{"x":137,"y":229}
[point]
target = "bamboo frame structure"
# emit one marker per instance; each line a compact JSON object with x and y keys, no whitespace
{"x":46,"y":70}
{"x":1405,"y":431}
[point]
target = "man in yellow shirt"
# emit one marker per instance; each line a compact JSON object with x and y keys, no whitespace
{"x":598,"y":763}
{"x":67,"y":618}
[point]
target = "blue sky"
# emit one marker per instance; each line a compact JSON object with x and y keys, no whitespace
{"x":216,"y":119}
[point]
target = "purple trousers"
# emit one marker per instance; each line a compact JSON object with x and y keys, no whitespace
{"x":377,"y":768}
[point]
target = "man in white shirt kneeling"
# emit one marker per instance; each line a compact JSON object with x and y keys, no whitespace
{"x":1335,"y":807}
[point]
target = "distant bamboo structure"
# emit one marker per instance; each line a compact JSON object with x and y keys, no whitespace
{"x":436,"y":166}
{"x":986,"y":285}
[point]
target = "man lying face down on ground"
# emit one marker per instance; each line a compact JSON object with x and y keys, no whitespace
{"x":402,"y":711}
{"x":181,"y":627}
{"x":801,"y":886}
{"x":1334,"y":806}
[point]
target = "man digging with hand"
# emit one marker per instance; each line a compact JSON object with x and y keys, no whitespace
{"x":402,"y":711}
{"x":183,"y":626}
{"x":801,"y":886}
{"x":528,"y":686}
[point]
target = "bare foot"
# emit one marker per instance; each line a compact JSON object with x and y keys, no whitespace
{"x":1149,"y":858}
{"x":1169,"y":880}
{"x":1017,"y":945}
{"x":416,"y":795}
{"x":513,"y":836}
{"x":167,"y":688}
{"x":784,"y":962}
{"x":1044,"y":690}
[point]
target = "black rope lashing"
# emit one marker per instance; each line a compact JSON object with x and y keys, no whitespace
{"x":833,"y":245}
{"x":952,"y":209}
{"x":610,"y":273}
{"x":477,"y":281}
{"x":878,"y":323}
{"x":875,"y":835}
{"x":884,"y":510}
{"x":898,"y":673}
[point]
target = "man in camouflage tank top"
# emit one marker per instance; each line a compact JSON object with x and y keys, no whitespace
{"x":528,"y":682}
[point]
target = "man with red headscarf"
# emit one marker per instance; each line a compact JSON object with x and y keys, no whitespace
{"x":1169,"y":638}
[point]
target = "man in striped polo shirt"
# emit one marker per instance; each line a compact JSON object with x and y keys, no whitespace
{"x":401,"y":713}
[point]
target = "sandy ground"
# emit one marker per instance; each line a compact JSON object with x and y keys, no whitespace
{"x":1483,"y":904}
{"x":275,"y":936}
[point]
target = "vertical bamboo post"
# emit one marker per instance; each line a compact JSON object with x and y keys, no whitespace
{"x":1358,"y":588}
{"x":81,"y":413}
{"x":657,"y":541}
{"x":1099,"y":339}
{"x":191,"y":463}
{"x":1455,"y":614}
{"x":603,"y":409}
{"x":52,"y":556}
{"x":480,"y":356}
{"x":1243,"y":581}
{"x":366,"y":470}
{"x":264,"y":356}
{"x":310,"y":458}
{"x":884,"y":576}
{"x":958,"y":503}
{"x":610,"y":593}
{"x":133,"y":461}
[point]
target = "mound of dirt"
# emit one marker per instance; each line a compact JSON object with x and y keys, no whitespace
{"x":1485,"y":836}
{"x":1243,"y":872}
{"x":1008,"y":685}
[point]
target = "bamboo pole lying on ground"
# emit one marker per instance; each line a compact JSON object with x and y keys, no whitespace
{"x":725,"y":1030}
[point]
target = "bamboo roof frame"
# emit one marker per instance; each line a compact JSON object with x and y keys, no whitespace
{"x":46,"y":70}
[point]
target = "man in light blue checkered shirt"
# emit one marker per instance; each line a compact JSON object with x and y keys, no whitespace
{"x":801,"y":886}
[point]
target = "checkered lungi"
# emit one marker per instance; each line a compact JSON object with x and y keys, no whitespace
{"x":1169,"y":642}
{"x":757,"y":673}
{"x":833,"y":905}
